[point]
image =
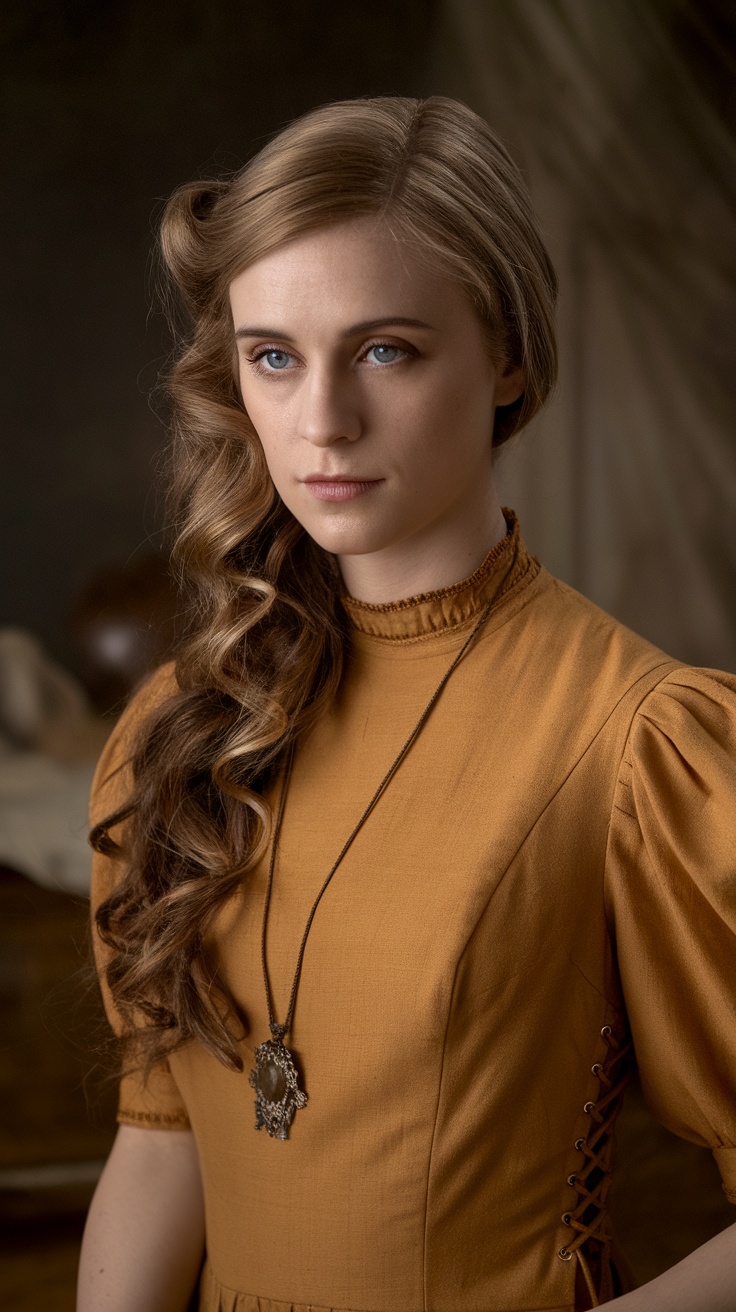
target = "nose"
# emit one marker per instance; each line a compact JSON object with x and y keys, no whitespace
{"x":329,"y":410}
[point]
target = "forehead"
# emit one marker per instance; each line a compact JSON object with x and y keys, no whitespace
{"x":359,"y":268}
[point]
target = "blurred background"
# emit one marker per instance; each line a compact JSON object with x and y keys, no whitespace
{"x":623,"y":116}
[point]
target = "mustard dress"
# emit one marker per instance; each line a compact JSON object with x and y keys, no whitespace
{"x":545,"y":894}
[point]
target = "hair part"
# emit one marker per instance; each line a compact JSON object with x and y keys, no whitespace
{"x":268,"y":632}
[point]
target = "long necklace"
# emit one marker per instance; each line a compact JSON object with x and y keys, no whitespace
{"x":274,"y":1076}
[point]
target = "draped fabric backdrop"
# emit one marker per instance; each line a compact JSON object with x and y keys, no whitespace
{"x":626,"y":485}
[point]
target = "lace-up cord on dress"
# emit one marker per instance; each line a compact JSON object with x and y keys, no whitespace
{"x":592,"y":1181}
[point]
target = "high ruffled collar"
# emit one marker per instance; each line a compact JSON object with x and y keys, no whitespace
{"x":507,"y":566}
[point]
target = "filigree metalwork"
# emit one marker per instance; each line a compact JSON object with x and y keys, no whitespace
{"x":278,"y":1095}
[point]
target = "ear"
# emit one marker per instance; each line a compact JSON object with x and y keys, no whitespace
{"x":509,"y":385}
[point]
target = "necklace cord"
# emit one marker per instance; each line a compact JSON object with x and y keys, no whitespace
{"x":279,"y":1031}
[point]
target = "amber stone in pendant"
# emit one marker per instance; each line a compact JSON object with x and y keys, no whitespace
{"x":271,"y":1081}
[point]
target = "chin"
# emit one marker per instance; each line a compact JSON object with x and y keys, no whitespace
{"x":342,"y":539}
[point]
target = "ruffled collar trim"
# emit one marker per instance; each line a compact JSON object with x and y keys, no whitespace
{"x":506,"y":566}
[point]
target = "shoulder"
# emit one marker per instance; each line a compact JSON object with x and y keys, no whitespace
{"x":683,"y":736}
{"x":586,"y":655}
{"x":688,"y":706}
{"x":677,"y":782}
{"x":112,"y":778}
{"x":690,"y":697}
{"x":585,"y":624}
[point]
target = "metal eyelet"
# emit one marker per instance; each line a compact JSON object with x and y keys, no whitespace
{"x":596,"y":1068}
{"x":605,"y":1031}
{"x":572,"y":1179}
{"x":565,"y":1254}
{"x":579,"y":1145}
{"x":566,"y":1218}
{"x":588,"y":1108}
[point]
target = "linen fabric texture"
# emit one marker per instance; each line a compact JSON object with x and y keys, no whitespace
{"x":545,"y":894}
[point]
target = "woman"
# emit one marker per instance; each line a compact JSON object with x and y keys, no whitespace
{"x":414,"y":849}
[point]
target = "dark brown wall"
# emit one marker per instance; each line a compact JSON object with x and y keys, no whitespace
{"x":106,"y":107}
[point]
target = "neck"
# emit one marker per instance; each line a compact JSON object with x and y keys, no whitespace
{"x":426,"y":562}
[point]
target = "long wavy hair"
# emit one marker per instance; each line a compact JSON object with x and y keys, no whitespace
{"x":267,"y":630}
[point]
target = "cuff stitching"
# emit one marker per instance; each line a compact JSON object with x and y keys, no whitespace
{"x":155,"y":1118}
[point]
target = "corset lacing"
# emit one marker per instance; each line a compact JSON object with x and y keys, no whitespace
{"x":592,"y":1180}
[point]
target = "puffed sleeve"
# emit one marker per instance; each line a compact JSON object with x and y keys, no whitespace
{"x":157,"y":1103}
{"x":671,"y":891}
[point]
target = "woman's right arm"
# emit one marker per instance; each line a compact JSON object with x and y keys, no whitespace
{"x":144,"y":1238}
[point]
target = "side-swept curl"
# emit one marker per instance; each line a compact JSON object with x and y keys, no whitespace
{"x":267,"y":632}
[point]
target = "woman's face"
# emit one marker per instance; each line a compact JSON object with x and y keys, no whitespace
{"x":367,"y":378}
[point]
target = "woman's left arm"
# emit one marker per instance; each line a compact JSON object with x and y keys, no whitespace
{"x":703,"y":1282}
{"x":671,"y":898}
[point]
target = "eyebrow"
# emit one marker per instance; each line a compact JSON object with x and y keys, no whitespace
{"x":367,"y":326}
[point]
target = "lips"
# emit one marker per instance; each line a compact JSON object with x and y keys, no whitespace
{"x":338,"y":487}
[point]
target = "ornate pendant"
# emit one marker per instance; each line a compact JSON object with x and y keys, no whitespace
{"x":278,"y":1096}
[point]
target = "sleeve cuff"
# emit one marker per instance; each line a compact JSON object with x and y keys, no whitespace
{"x":154,"y":1120}
{"x":156,"y":1103}
{"x":726,"y":1163}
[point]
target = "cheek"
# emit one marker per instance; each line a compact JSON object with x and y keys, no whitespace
{"x":449,"y":443}
{"x":416,"y":415}
{"x":437,"y":421}
{"x":267,"y":419}
{"x":457,"y":389}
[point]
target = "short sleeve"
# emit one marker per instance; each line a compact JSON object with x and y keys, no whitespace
{"x":671,"y":891}
{"x":158,"y":1102}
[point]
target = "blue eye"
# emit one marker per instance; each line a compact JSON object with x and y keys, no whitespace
{"x":384,"y":353}
{"x":276,"y":359}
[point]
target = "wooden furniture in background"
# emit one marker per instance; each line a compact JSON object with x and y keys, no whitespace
{"x":57,"y":1100}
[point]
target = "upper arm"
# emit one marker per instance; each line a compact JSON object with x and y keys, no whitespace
{"x":155,"y":1102}
{"x":671,"y":888}
{"x":144,"y":1238}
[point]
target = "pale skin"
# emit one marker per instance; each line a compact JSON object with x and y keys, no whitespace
{"x":410,"y":404}
{"x":144,"y":1237}
{"x":408,"y":408}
